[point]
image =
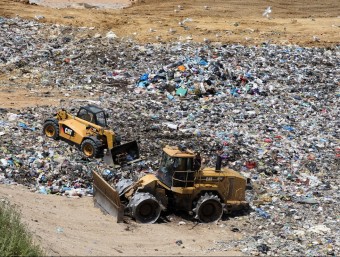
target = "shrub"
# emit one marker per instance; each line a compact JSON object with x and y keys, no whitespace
{"x":15,"y":239}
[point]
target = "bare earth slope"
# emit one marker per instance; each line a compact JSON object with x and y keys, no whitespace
{"x":290,"y":22}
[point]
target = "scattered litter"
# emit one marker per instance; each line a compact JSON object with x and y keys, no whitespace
{"x":60,"y":230}
{"x":267,"y":12}
{"x":179,"y":242}
{"x":269,"y":110}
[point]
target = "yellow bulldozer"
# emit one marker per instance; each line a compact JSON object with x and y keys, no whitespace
{"x":180,"y":183}
{"x":88,"y":130}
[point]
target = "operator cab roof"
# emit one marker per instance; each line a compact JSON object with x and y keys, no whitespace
{"x":178,"y":151}
{"x":92,"y":108}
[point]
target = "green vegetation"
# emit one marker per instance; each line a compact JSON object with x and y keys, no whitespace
{"x":15,"y":240}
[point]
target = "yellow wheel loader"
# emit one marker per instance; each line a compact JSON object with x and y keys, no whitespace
{"x":88,"y":130}
{"x":179,"y":184}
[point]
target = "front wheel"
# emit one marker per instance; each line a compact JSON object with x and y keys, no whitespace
{"x":208,"y":208}
{"x":144,"y":208}
{"x":91,"y":148}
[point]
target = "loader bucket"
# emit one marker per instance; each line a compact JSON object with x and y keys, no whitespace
{"x":123,"y":154}
{"x":106,"y":198}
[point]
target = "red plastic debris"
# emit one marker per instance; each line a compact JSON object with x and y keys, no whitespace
{"x":251,"y":164}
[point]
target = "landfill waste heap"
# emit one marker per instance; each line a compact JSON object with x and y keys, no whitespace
{"x":271,"y":111}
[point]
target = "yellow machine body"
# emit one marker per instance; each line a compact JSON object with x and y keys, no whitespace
{"x":76,"y":130}
{"x":205,"y":192}
{"x":88,"y":130}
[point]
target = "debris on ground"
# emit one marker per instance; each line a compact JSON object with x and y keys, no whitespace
{"x":272,"y":110}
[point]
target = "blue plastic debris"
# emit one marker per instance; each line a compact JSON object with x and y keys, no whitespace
{"x":262,"y":213}
{"x":203,"y":62}
{"x":288,"y":128}
{"x":170,"y":97}
{"x":181,"y":91}
{"x":144,"y":77}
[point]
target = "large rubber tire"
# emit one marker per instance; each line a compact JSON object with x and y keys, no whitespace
{"x":91,"y":148}
{"x":208,"y":208}
{"x":144,"y":208}
{"x":51,"y":129}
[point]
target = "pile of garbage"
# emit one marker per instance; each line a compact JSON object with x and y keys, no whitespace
{"x":272,"y":110}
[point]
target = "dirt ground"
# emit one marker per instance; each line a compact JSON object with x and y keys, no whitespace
{"x":74,"y":227}
{"x":70,"y":226}
{"x":290,"y":22}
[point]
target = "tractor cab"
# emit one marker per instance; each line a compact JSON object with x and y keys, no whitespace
{"x":93,"y":114}
{"x":177,"y":167}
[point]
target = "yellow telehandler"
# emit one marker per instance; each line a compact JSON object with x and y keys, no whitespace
{"x":179,"y":184}
{"x":88,"y":130}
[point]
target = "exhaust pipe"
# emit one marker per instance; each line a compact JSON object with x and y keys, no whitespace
{"x":218,"y":163}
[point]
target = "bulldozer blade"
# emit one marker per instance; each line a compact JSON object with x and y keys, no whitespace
{"x":122,"y":154}
{"x":107,"y":198}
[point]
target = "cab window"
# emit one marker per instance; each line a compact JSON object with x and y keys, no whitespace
{"x":184,"y":164}
{"x":85,"y":115}
{"x":167,"y":164}
{"x":101,"y":120}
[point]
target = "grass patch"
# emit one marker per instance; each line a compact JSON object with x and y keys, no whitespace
{"x":15,"y":239}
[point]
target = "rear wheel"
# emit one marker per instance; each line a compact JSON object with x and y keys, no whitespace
{"x":144,"y":208}
{"x":91,"y":148}
{"x":208,"y":208}
{"x":51,"y":129}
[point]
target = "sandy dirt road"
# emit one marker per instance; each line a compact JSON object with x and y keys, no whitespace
{"x":74,"y":227}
